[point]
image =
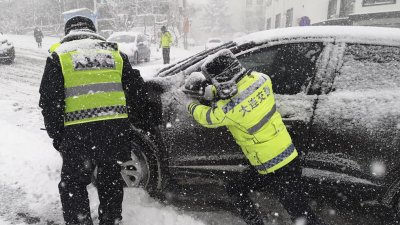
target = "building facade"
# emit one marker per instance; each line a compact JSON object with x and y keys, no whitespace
{"x":288,"y":13}
{"x":247,"y":15}
{"x":376,"y":13}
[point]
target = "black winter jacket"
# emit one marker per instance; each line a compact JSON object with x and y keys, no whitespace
{"x":52,"y":95}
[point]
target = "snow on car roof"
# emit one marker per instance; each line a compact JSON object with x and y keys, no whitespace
{"x":132,"y":33}
{"x":350,"y":34}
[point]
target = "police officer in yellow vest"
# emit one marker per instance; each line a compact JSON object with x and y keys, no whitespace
{"x":89,"y":94}
{"x":244,"y":102}
{"x":165,"y":43}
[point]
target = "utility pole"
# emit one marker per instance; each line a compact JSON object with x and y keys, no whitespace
{"x":95,"y":13}
{"x":185,"y":25}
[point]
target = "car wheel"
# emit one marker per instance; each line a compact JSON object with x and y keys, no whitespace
{"x":135,"y":58}
{"x":144,"y":168}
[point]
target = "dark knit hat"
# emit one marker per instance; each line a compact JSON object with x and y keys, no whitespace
{"x":222,"y":66}
{"x":79,"y":23}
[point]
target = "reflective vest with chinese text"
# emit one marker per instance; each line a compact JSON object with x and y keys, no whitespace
{"x":93,"y":81}
{"x":254,"y":122}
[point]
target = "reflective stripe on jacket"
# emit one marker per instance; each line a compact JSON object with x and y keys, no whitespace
{"x":254,"y":122}
{"x":166,"y":40}
{"x":93,"y":86}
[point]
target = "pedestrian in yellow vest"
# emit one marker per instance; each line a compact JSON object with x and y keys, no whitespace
{"x":244,"y":102}
{"x":165,"y":43}
{"x":89,"y":95}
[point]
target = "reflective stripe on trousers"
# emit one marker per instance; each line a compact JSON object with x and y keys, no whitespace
{"x":279,"y":158}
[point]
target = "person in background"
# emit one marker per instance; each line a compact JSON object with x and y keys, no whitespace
{"x":90,"y":95}
{"x":165,"y":43}
{"x":244,"y":102}
{"x":38,"y":34}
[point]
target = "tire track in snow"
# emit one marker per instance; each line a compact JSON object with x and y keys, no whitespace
{"x":14,"y":209}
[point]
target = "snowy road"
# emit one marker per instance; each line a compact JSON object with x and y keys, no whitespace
{"x":30,"y":167}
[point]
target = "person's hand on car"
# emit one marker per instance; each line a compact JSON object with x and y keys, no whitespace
{"x":180,"y":97}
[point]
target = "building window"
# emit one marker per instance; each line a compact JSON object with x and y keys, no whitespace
{"x":332,"y":9}
{"x":260,"y":2}
{"x":346,"y":8}
{"x":249,"y":3}
{"x":378,"y":2}
{"x":289,"y":17}
{"x":269,"y":24}
{"x":278,"y":21}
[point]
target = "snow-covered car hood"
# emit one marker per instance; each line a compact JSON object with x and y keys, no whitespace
{"x":4,"y":46}
{"x":127,"y":48}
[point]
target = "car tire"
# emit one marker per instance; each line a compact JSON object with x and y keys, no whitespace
{"x":144,"y":169}
{"x":135,"y":58}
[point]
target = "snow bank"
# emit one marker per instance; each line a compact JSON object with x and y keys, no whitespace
{"x":25,"y":165}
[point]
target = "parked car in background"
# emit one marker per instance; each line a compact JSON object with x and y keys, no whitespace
{"x":134,"y":44}
{"x":106,"y":33}
{"x":213,"y":42}
{"x":338,"y":91}
{"x":7,"y":50}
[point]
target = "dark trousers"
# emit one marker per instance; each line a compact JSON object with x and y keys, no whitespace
{"x":165,"y":53}
{"x":76,"y":174}
{"x":285,"y":183}
{"x":84,"y":147}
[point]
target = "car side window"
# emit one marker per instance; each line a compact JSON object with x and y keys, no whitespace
{"x":369,"y":67}
{"x":290,"y":66}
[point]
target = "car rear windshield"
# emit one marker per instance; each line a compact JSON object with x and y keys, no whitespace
{"x":369,"y":67}
{"x":123,"y":39}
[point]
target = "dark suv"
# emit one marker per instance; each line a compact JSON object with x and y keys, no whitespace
{"x":338,"y":90}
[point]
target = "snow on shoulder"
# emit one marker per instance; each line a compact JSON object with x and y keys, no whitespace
{"x":82,"y":40}
{"x":350,"y":34}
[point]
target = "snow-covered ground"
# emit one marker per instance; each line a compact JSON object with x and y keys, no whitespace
{"x":30,"y":167}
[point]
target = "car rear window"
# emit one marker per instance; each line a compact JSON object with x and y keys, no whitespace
{"x":369,"y":67}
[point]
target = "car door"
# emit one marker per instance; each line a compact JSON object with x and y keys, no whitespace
{"x":201,"y":150}
{"x":355,"y":129}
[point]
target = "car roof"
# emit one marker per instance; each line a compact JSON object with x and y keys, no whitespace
{"x":215,"y":38}
{"x":3,"y":37}
{"x":130,"y":33}
{"x":348,"y":34}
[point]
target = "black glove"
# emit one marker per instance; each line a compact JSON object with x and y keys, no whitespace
{"x":57,"y":143}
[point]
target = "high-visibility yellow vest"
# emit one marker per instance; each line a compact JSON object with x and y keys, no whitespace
{"x":254,"y":122}
{"x":166,"y":39}
{"x":92,"y":79}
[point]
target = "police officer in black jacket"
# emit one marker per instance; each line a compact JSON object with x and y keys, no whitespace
{"x":87,"y":91}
